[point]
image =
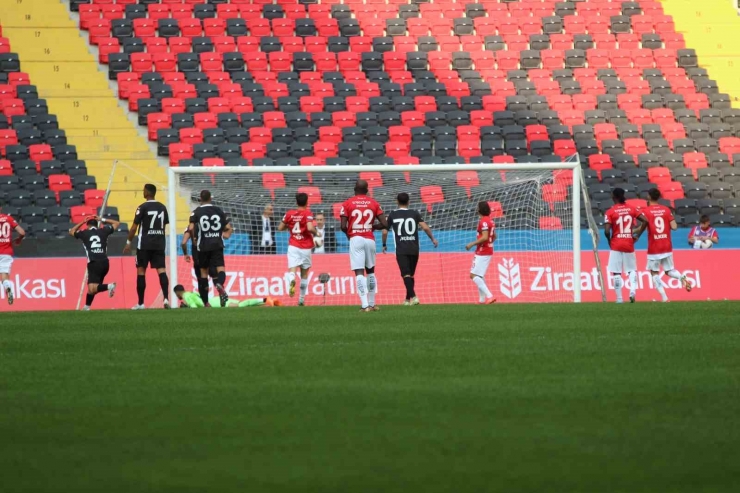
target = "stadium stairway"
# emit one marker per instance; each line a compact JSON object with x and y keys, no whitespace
{"x":59,"y":61}
{"x":710,"y":28}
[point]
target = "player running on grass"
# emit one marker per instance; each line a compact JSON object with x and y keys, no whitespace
{"x":299,"y":222}
{"x":406,"y":224}
{"x":620,"y":219}
{"x":358,"y":215}
{"x":193,"y":300}
{"x":95,"y":241}
{"x":210,"y":224}
{"x":660,"y":223}
{"x":483,"y":253}
{"x":150,"y":221}
{"x":7,"y":226}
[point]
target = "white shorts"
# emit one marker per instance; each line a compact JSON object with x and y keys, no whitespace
{"x":361,"y":253}
{"x":6,"y":261}
{"x":622,"y":262}
{"x":480,"y":265}
{"x":658,"y":260}
{"x":299,"y":257}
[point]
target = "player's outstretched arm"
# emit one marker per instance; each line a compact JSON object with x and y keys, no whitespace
{"x":311,"y":227}
{"x":344,"y":224}
{"x":385,"y":240}
{"x":608,"y":233}
{"x":425,"y":227}
{"x":674,"y":225}
{"x":483,"y":239}
{"x":282,"y":226}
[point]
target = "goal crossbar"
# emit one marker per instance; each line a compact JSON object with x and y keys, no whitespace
{"x":574,"y":164}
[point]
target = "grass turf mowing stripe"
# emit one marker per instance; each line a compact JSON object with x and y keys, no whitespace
{"x":441,"y":398}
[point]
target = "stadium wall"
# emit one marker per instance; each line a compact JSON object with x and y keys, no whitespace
{"x":51,"y":284}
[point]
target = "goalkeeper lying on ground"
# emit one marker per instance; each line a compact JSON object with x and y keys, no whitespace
{"x":193,"y":300}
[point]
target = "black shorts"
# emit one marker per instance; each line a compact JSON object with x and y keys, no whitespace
{"x":211,"y":260}
{"x":97,"y":270}
{"x":407,"y":264}
{"x":212,"y":273}
{"x":155,"y":258}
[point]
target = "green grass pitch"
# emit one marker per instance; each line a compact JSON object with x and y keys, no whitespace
{"x":517,"y":398}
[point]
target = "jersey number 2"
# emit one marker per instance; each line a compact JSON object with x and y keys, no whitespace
{"x":95,"y":242}
{"x":358,"y":216}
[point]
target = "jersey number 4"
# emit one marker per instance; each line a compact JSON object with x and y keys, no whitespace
{"x":296,"y":229}
{"x":407,"y":224}
{"x":359,"y":216}
{"x":210,"y":223}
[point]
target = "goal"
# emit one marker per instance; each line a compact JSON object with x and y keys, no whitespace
{"x":536,"y":209}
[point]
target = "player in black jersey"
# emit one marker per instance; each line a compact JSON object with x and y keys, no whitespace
{"x":95,"y":241}
{"x":406,"y":224}
{"x":209,"y":225}
{"x":151,"y":240}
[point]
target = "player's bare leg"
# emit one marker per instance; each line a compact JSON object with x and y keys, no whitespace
{"x":633,"y":285}
{"x":658,"y":284}
{"x":8,"y":288}
{"x":304,"y":287}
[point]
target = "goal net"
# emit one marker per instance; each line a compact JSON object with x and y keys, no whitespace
{"x":535,"y":208}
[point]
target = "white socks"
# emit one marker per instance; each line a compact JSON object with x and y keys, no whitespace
{"x":7,"y":284}
{"x":372,"y":288}
{"x":674,"y":274}
{"x":633,"y":283}
{"x":658,"y":283}
{"x":618,"y":285}
{"x":483,"y":291}
{"x":304,"y":290}
{"x":362,"y":290}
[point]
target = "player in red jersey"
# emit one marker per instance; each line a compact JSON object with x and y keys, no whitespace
{"x":7,"y":226}
{"x":483,"y":253}
{"x":358,"y":215}
{"x":660,"y":249}
{"x":299,"y":222}
{"x":618,"y":225}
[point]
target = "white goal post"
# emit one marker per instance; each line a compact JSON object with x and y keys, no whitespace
{"x":536,"y":210}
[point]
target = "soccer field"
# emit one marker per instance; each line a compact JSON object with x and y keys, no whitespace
{"x":590,"y":398}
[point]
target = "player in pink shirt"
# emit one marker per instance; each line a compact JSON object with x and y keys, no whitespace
{"x":299,"y":222}
{"x":660,"y":223}
{"x":483,"y":253}
{"x":358,"y":215}
{"x":7,"y":226}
